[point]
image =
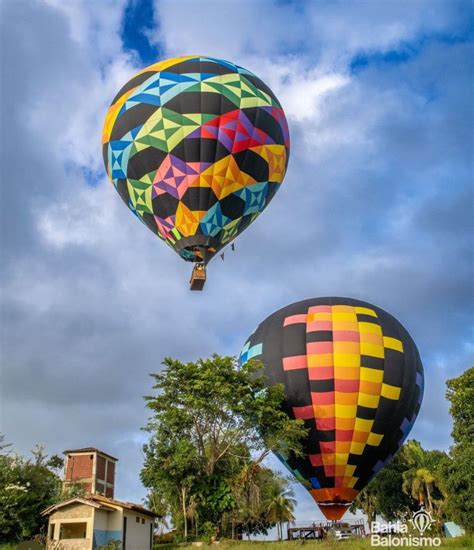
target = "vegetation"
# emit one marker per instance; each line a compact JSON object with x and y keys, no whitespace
{"x":442,"y":483}
{"x":212,"y":425}
{"x":27,"y":487}
{"x":384,"y":495}
{"x":156,"y":503}
{"x":422,"y":479}
{"x":281,"y":507}
{"x":352,"y":544}
{"x":459,"y":471}
{"x":211,"y":428}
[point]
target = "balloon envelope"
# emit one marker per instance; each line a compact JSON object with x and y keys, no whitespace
{"x":354,"y":375}
{"x":196,"y":147}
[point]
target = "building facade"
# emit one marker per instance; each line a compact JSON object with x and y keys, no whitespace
{"x":91,"y":470}
{"x":95,"y":519}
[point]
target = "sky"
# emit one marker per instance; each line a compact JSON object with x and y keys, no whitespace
{"x":377,"y":203}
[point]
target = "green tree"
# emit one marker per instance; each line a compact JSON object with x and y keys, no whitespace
{"x":384,"y":495}
{"x":27,"y":487}
{"x":367,"y":501}
{"x":5,"y":448}
{"x":210,"y":421}
{"x":460,"y":393}
{"x":423,"y":479}
{"x":75,"y":489}
{"x":255,"y":491}
{"x":157,"y":503}
{"x":281,"y":506}
{"x":392,"y":502}
{"x":458,"y":470}
{"x":171,"y":469}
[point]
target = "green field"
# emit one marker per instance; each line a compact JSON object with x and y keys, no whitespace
{"x":356,"y":544}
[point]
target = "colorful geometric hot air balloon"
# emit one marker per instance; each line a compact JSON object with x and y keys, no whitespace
{"x":354,"y":375}
{"x":196,"y":147}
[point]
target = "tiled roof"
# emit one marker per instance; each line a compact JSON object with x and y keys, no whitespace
{"x":98,"y":501}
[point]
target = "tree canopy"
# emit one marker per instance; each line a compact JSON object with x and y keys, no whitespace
{"x":211,"y":427}
{"x":27,"y":487}
{"x":459,"y":472}
{"x":440,"y":482}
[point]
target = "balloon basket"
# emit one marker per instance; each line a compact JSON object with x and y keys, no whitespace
{"x":198,"y":277}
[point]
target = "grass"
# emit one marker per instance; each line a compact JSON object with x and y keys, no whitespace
{"x":353,"y":544}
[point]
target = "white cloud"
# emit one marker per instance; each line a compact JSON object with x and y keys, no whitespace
{"x":94,"y":26}
{"x":83,"y":219}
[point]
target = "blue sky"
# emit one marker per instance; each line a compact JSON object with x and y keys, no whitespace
{"x":377,"y":203}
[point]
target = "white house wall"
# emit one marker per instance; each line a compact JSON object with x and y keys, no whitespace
{"x":138,"y":534}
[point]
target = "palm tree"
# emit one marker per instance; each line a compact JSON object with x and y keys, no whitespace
{"x":156,"y":503}
{"x":247,"y":492}
{"x":421,"y":479}
{"x":421,"y":487}
{"x":281,"y":507}
{"x":367,"y":501}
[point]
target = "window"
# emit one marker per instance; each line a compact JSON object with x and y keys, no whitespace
{"x":51,"y":531}
{"x":143,"y":521}
{"x":137,"y":519}
{"x":73,"y":530}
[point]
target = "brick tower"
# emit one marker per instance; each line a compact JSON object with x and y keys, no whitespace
{"x":92,"y":469}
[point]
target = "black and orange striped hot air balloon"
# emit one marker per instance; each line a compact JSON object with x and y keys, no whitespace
{"x":353,"y":374}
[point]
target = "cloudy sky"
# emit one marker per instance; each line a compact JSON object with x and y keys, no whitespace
{"x":377,"y":203}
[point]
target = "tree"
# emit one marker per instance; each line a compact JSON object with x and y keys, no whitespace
{"x":460,"y":393}
{"x":422,"y":479}
{"x":442,"y":483}
{"x":458,"y":470}
{"x":5,"y":448}
{"x":256,"y":488}
{"x":421,"y":487}
{"x":367,"y":501}
{"x":27,"y":487}
{"x":156,"y":503}
{"x":210,"y":421}
{"x":281,"y":506}
{"x":384,"y":495}
{"x":171,"y":468}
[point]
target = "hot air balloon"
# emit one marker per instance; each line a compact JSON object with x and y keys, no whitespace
{"x":196,"y":147}
{"x":353,"y":374}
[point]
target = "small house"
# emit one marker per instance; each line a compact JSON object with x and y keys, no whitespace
{"x":95,"y":519}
